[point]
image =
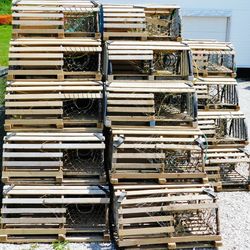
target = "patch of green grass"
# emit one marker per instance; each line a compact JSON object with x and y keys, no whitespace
{"x":5,"y":6}
{"x":5,"y":31}
{"x":60,"y":245}
{"x":33,"y":246}
{"x":2,"y":90}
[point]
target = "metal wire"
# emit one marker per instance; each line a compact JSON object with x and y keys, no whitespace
{"x":79,"y":61}
{"x":231,"y":127}
{"x":228,"y":173}
{"x":164,"y":25}
{"x":198,"y":222}
{"x":182,"y":161}
{"x":167,"y":104}
{"x":80,"y":22}
{"x":79,"y":215}
{"x":222,"y":94}
{"x":85,"y":216}
{"x":168,"y":62}
{"x":219,"y":62}
{"x":142,"y":67}
{"x":176,"y":161}
{"x":80,"y":160}
{"x":80,"y":108}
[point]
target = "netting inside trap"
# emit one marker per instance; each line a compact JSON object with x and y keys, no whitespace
{"x":76,"y":62}
{"x":232,"y":173}
{"x":168,"y":62}
{"x":218,"y":62}
{"x":84,"y":160}
{"x":164,"y":24}
{"x":234,"y":128}
{"x":181,"y":161}
{"x":222,"y":94}
{"x":89,"y":215}
{"x":167,"y":104}
{"x":80,"y":22}
{"x":175,"y":161}
{"x":198,"y":222}
{"x":81,"y":108}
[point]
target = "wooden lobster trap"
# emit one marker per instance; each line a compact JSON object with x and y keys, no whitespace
{"x":150,"y":156}
{"x":55,"y":19}
{"x":47,"y":158}
{"x":141,"y":22}
{"x":55,"y":59}
{"x":224,"y":127}
{"x":151,"y":60}
{"x":217,"y":93}
{"x":166,"y":217}
{"x":150,"y":103}
{"x":226,"y":136}
{"x":222,"y":168}
{"x":38,"y":106}
{"x":212,"y":58}
{"x":49,"y":213}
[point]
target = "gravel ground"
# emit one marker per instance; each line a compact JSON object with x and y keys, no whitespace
{"x":234,"y":208}
{"x":235,"y":220}
{"x":244,"y":97}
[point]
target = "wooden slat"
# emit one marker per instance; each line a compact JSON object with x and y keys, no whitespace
{"x":32,"y":231}
{"x":47,"y":112}
{"x":130,"y":102}
{"x":34,"y":104}
{"x":129,"y":15}
{"x":36,"y":63}
{"x":28,"y":164}
{"x":135,"y":220}
{"x":36,"y":55}
{"x":166,"y":199}
{"x":32,"y":155}
{"x":125,"y":25}
{"x":165,"y":240}
{"x":123,"y":19}
{"x":56,"y":192}
{"x":136,"y":166}
{"x":55,"y":146}
{"x":132,"y":109}
{"x":33,"y":210}
{"x":139,"y":155}
{"x":37,"y":22}
{"x":168,"y":208}
{"x":131,"y":57}
{"x":28,"y":220}
{"x":146,"y":231}
{"x":38,"y":15}
{"x":56,"y":201}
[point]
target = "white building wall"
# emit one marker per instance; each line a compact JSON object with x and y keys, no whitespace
{"x":202,"y":27}
{"x":238,"y":12}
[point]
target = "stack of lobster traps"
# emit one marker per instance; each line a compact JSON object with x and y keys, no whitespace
{"x":53,"y":152}
{"x":107,"y":99}
{"x":219,"y":114}
{"x":155,"y":158}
